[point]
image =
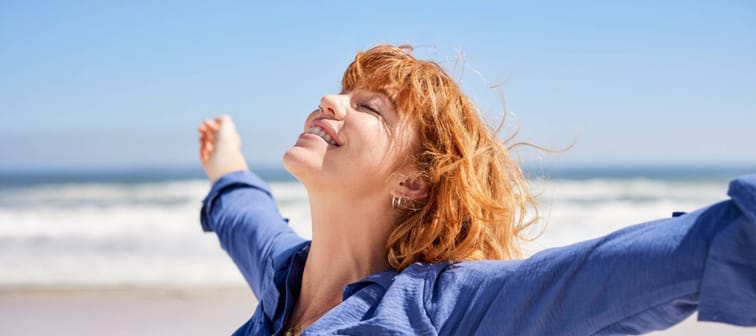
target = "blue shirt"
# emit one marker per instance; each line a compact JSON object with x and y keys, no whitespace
{"x":642,"y":278}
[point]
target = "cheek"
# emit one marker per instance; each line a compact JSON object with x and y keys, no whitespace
{"x":375,"y":142}
{"x":382,"y":152}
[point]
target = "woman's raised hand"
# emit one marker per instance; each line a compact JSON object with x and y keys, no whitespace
{"x":220,"y":147}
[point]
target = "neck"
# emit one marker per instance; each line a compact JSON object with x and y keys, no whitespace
{"x":348,"y":244}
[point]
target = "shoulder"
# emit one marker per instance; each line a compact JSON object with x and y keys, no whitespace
{"x":470,"y":272}
{"x":456,"y":273}
{"x":452,"y":293}
{"x":447,"y":281}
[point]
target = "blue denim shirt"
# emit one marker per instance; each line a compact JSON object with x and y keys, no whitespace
{"x":641,"y":278}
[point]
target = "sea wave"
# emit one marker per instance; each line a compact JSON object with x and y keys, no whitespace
{"x":106,"y":234}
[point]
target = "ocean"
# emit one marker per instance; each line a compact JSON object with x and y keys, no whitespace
{"x":141,"y":228}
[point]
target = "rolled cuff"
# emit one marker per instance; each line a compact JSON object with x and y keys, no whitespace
{"x":241,"y":178}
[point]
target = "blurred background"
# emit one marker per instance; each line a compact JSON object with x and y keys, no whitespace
{"x":100,"y":187}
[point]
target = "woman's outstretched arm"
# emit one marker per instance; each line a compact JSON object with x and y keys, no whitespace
{"x":643,"y":278}
{"x":241,"y":210}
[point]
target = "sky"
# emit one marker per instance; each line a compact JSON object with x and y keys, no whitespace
{"x":119,"y":85}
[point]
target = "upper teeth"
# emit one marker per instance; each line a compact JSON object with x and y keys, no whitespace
{"x":318,"y":131}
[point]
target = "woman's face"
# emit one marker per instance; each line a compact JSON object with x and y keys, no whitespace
{"x":352,"y":143}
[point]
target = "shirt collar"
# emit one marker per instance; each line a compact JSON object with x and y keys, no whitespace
{"x":383,"y":279}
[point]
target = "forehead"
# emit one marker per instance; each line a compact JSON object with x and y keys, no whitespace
{"x":377,"y":72}
{"x":373,"y":89}
{"x":412,"y":86}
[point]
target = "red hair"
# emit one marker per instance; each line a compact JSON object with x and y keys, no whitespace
{"x":477,"y":196}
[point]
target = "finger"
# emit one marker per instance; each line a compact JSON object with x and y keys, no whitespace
{"x":223,"y":118}
{"x":219,"y":120}
{"x":225,"y":122}
{"x":206,"y":133}
{"x":209,"y":129}
{"x":210,"y":137}
{"x":205,"y":149}
{"x":203,"y":140}
{"x":201,"y":148}
{"x":212,"y":125}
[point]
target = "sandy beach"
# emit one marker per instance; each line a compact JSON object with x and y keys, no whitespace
{"x":117,"y":312}
{"x":152,"y":311}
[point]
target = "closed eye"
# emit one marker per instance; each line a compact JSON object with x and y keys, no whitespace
{"x":370,"y":108}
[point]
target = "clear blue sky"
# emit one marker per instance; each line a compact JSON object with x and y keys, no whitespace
{"x":97,"y":84}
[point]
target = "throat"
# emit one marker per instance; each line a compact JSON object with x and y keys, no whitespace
{"x":309,"y":293}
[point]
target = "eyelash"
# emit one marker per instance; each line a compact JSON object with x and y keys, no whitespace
{"x":369,"y":108}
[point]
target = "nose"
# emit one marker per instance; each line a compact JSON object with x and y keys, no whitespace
{"x":335,"y":105}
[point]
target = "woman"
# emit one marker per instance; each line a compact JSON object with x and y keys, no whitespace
{"x":417,"y":211}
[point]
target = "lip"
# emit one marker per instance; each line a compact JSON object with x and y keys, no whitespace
{"x":327,"y":129}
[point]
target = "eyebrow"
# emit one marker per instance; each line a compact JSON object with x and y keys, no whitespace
{"x":381,"y":98}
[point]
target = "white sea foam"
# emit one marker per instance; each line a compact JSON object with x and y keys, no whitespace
{"x":576,"y":210}
{"x":149,"y":233}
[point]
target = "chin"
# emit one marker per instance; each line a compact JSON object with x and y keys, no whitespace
{"x":290,"y":163}
{"x":296,"y":162}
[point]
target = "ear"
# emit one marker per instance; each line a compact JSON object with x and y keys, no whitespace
{"x":412,"y":187}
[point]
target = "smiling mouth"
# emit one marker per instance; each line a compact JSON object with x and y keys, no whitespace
{"x":319,"y":132}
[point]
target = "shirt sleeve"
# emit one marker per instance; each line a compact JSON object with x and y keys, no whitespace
{"x":240,"y":209}
{"x":642,"y":278}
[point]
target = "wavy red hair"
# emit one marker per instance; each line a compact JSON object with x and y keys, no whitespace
{"x":478,"y":197}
